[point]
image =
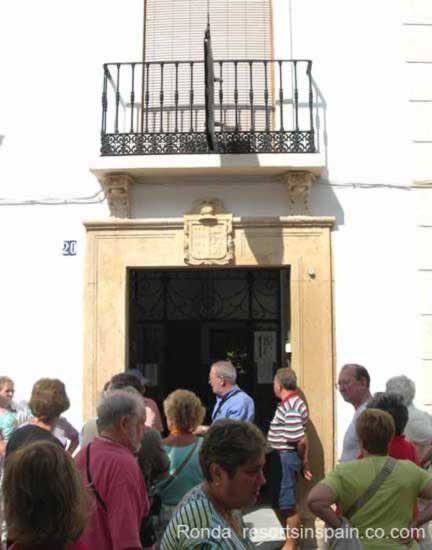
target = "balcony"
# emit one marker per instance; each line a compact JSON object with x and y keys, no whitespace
{"x":202,"y":107}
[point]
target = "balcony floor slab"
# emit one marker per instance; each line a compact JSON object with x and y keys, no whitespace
{"x":150,"y":167}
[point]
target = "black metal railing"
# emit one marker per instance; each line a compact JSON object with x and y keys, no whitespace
{"x":258,"y":106}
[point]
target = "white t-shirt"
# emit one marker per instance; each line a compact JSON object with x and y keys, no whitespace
{"x":419,"y":426}
{"x":351,"y":445}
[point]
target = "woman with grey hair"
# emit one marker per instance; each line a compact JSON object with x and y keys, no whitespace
{"x":419,"y":426}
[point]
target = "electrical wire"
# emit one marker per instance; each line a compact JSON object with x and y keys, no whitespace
{"x":100,"y":196}
{"x":97,"y":198}
{"x":363,"y":185}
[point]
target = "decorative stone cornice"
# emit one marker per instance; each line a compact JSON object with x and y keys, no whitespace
{"x":169,"y":224}
{"x":117,"y":191}
{"x":298,"y":185}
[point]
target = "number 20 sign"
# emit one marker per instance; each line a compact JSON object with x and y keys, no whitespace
{"x":69,"y":248}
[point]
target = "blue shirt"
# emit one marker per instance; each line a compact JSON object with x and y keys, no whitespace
{"x":236,"y":404}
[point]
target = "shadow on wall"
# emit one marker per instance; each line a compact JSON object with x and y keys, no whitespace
{"x":320,"y":118}
{"x":266,"y":247}
{"x":324,"y":202}
{"x":316,"y":451}
{"x":316,"y":460}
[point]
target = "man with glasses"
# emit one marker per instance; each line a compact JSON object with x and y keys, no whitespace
{"x":353,"y":385}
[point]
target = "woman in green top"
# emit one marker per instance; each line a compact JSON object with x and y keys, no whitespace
{"x":184,"y":413}
{"x":386,"y":520}
{"x":8,"y":420}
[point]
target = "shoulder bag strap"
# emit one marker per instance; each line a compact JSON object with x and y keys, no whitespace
{"x":179,"y":468}
{"x":90,"y":480}
{"x":224,"y":399}
{"x":387,"y":469}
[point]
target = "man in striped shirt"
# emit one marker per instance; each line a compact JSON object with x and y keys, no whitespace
{"x":287,"y":437}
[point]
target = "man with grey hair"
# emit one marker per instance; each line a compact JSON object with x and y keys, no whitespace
{"x":419,"y":426}
{"x":287,"y":438}
{"x":231,"y":401}
{"x":418,"y":430}
{"x":108,"y":466}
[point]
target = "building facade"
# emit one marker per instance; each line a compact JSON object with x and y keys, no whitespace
{"x":283,"y":214}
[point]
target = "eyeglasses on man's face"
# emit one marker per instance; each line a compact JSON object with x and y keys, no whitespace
{"x":345,"y":383}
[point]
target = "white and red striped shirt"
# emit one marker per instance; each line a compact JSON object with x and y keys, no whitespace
{"x":289,"y":423}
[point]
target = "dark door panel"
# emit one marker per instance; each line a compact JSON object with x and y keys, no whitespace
{"x":182,"y":321}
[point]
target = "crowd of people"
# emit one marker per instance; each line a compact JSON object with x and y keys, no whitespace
{"x":133,"y":485}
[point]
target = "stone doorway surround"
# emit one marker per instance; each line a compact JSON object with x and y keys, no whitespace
{"x":302,"y":242}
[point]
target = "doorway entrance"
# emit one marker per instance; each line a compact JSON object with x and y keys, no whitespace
{"x":181,"y":321}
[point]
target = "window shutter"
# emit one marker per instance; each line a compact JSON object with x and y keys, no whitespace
{"x":240,"y":29}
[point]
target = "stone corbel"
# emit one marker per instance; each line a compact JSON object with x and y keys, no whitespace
{"x":117,"y":191}
{"x":299,"y":186}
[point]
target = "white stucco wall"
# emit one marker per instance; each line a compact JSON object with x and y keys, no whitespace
{"x":41,"y":296}
{"x":50,"y":120}
{"x":51,"y":56}
{"x":424,"y":286}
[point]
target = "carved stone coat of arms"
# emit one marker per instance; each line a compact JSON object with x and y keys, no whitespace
{"x":208,"y":232}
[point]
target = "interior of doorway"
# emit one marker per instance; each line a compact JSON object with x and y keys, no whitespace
{"x":180,"y":321}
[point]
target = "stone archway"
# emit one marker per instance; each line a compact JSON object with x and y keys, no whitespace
{"x":303,"y":243}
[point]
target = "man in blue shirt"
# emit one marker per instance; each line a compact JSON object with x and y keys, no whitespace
{"x":231,"y":401}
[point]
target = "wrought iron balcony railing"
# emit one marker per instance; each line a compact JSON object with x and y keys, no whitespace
{"x":189,"y":107}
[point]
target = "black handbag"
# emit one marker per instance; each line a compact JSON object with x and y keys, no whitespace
{"x":148,"y":532}
{"x":148,"y":535}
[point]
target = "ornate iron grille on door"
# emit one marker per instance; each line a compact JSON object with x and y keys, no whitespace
{"x":206,"y":295}
{"x":181,"y":321}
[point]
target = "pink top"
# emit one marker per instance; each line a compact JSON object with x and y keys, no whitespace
{"x":153,"y":418}
{"x":118,"y":480}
